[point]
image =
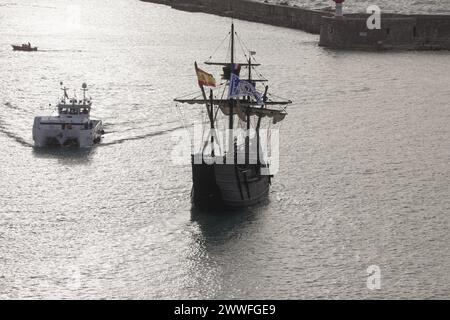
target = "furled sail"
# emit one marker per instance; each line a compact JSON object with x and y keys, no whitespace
{"x":224,"y":101}
{"x":241,"y":110}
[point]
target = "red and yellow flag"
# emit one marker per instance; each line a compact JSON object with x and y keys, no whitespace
{"x":205,"y":79}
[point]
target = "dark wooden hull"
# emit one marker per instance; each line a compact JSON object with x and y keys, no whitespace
{"x":228,"y":185}
{"x":20,"y":48}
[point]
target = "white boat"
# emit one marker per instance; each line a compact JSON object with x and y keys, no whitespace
{"x":71,"y":127}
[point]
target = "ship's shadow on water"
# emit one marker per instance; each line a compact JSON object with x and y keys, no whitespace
{"x":73,"y":156}
{"x":221,"y":225}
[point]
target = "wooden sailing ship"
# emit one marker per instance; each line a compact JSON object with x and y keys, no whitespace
{"x":233,"y":174}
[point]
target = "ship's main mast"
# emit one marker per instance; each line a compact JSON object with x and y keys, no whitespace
{"x":231,"y":76}
{"x":232,"y":143}
{"x":247,"y":105}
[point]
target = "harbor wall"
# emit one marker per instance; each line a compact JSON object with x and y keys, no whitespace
{"x":432,"y":30}
{"x":409,"y":32}
{"x":352,"y":33}
{"x":256,"y":11}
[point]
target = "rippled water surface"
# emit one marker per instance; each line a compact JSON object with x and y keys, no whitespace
{"x":364,"y":176}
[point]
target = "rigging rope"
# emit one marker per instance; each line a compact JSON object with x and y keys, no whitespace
{"x":243,"y":48}
{"x":218,"y":47}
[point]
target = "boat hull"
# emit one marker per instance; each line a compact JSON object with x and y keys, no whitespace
{"x":64,"y":135}
{"x":20,"y":48}
{"x":228,"y":185}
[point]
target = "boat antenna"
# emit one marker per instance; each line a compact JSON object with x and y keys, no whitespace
{"x":84,"y":88}
{"x":65,"y":92}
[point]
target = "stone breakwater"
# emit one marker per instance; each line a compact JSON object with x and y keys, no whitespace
{"x":391,"y":6}
{"x":409,"y":32}
{"x":268,"y":13}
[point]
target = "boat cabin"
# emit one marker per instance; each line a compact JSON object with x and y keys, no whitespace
{"x":80,"y":109}
{"x":69,"y":107}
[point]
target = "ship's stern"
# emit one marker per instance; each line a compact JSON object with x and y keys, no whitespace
{"x":205,"y":193}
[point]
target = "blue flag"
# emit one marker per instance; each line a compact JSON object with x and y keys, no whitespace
{"x":240,"y":88}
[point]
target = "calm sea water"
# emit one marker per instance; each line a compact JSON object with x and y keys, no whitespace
{"x":364,"y":176}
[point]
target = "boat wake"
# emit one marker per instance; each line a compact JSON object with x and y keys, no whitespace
{"x":13,"y":107}
{"x":130,"y":126}
{"x":4,"y":130}
{"x":7,"y":128}
{"x":8,"y":4}
{"x":15,"y":4}
{"x":140,"y":137}
{"x":55,"y":50}
{"x":16,"y":121}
